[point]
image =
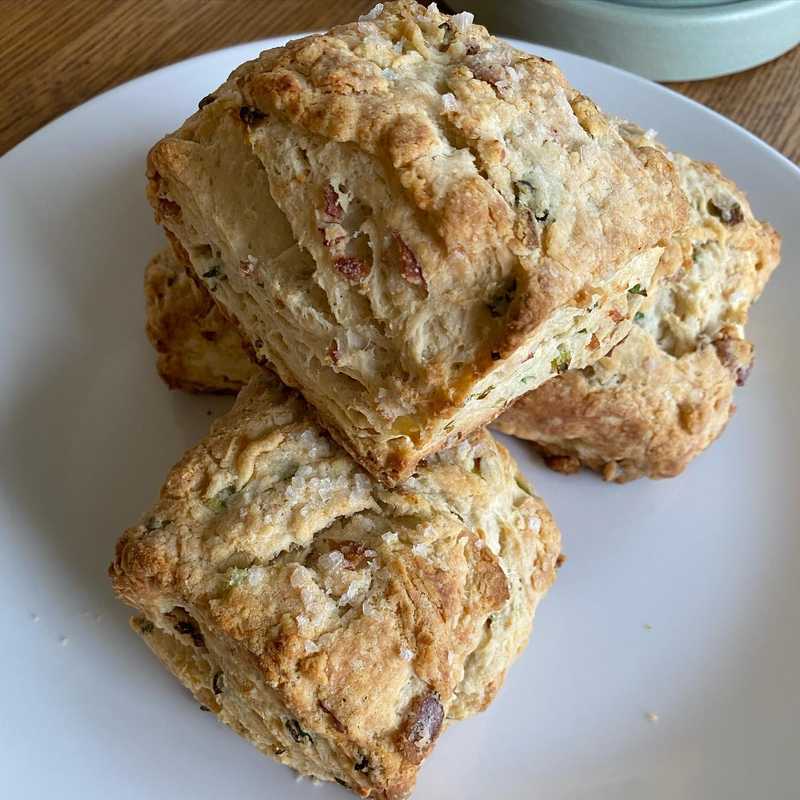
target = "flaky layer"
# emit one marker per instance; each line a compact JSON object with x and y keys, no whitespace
{"x":664,"y":394}
{"x":414,"y":223}
{"x":337,"y":624}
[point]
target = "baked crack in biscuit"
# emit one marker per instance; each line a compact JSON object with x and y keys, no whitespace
{"x":664,"y":394}
{"x":336,"y":624}
{"x":414,"y":223}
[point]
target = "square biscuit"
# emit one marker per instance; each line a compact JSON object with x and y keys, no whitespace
{"x":335,"y":623}
{"x":664,"y":394}
{"x":414,"y":224}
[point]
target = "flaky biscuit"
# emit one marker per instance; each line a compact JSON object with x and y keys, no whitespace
{"x":664,"y":394}
{"x":198,"y":349}
{"x":335,"y":623}
{"x":414,"y":223}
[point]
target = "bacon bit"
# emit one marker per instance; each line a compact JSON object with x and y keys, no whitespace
{"x":332,"y":207}
{"x":353,"y":268}
{"x":409,"y":266}
{"x":615,"y":315}
{"x":421,"y":729}
{"x":333,"y":352}
{"x":729,"y":215}
{"x":594,"y":342}
{"x":489,"y":73}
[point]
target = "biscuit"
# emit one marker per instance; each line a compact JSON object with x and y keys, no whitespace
{"x":414,"y":223}
{"x":198,"y":349}
{"x":336,"y":624}
{"x":664,"y":394}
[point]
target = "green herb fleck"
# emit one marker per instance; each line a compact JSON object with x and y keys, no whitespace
{"x":638,"y":316}
{"x":214,"y":272}
{"x":485,"y":393}
{"x":146,"y":626}
{"x":449,"y":426}
{"x":561,"y":362}
{"x":219,"y":502}
{"x":218,"y":682}
{"x":237,"y":577}
{"x":583,"y":330}
{"x":637,"y":289}
{"x":205,"y":708}
{"x":154,"y":524}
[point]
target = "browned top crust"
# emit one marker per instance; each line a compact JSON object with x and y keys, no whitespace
{"x":434,"y":218}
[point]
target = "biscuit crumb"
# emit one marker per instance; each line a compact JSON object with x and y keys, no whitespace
{"x":35,"y":617}
{"x":648,"y":626}
{"x":651,"y":716}
{"x":63,"y":641}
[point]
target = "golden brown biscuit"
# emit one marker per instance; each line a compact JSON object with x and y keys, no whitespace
{"x":336,"y":624}
{"x":414,"y":223}
{"x":664,"y":394}
{"x":198,"y":349}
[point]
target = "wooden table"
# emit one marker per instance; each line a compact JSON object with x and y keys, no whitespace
{"x":59,"y":53}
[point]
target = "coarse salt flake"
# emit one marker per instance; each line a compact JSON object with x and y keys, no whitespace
{"x":420,"y":549}
{"x":298,"y":577}
{"x":390,"y":537}
{"x":373,"y":13}
{"x":462,"y":21}
{"x":449,"y":102}
{"x":255,"y":575}
{"x":406,"y":654}
{"x":331,"y":560}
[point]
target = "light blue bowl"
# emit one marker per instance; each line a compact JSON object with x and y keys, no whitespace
{"x":668,"y":40}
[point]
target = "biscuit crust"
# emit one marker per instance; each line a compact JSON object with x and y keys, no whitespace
{"x":198,"y":349}
{"x":664,"y":394}
{"x":337,"y":624}
{"x":413,"y":223}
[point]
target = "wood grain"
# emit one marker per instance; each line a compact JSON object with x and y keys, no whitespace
{"x":59,"y":53}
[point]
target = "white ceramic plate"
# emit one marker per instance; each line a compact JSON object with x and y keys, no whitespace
{"x":710,"y":560}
